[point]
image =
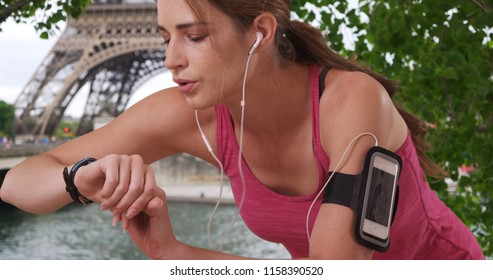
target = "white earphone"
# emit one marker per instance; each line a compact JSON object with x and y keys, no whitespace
{"x":259,"y":39}
{"x":260,"y":36}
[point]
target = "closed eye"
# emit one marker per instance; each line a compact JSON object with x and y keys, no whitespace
{"x":197,"y":38}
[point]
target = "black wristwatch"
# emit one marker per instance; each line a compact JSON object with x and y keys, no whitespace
{"x":68,"y":177}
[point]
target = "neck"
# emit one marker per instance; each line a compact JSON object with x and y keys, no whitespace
{"x":276,"y":100}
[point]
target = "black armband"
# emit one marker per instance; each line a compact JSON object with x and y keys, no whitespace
{"x":372,"y":195}
{"x":343,"y":189}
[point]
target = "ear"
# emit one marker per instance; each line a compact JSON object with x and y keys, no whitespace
{"x":266,"y":24}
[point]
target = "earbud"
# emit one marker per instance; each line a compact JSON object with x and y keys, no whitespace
{"x":260,"y":36}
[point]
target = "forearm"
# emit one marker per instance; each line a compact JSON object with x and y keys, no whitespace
{"x":36,"y":185}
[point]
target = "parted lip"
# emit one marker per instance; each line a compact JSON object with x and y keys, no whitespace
{"x":185,"y":86}
{"x":181,"y":82}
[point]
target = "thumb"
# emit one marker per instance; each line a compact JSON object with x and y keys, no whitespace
{"x":154,"y":206}
{"x":157,"y":211}
{"x":153,"y":222}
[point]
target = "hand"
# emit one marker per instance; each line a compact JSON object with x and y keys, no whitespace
{"x":151,"y":229}
{"x":121,"y":183}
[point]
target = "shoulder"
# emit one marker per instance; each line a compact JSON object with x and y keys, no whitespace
{"x":354,"y":103}
{"x":345,"y":89}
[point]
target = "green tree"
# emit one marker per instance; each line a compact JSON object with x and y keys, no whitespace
{"x":442,"y":54}
{"x":7,"y":114}
{"x":45,"y":14}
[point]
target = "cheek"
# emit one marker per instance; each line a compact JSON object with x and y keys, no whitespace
{"x":233,"y":67}
{"x":226,"y":73}
{"x":228,"y":79}
{"x":221,"y":68}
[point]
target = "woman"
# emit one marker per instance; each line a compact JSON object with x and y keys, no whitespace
{"x":257,"y":83}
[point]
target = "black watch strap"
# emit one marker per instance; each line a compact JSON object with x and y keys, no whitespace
{"x":68,"y":177}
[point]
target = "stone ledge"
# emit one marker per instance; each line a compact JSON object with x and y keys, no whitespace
{"x":199,"y":193}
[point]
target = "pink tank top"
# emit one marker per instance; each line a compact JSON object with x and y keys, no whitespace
{"x":424,"y":228}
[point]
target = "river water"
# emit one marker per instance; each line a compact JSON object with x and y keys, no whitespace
{"x":79,"y":233}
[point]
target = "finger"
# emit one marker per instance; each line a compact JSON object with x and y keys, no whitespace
{"x":153,"y":210}
{"x":148,"y":192}
{"x":119,"y":182}
{"x":116,"y":220}
{"x":155,"y":204}
{"x":110,"y":168}
{"x":151,"y":228}
{"x":125,"y":223}
{"x":156,"y":210}
{"x":136,"y":189}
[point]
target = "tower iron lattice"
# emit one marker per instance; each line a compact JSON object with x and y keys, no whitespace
{"x":112,"y":49}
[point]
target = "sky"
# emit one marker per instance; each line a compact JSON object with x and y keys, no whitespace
{"x":22,"y":51}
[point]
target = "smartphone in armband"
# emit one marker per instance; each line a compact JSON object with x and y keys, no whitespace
{"x":378,"y":198}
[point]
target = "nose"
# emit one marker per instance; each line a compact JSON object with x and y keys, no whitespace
{"x":174,"y":56}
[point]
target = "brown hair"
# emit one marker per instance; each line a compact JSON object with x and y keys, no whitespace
{"x":299,"y":42}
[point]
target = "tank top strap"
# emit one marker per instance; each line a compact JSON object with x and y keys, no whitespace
{"x":316,"y":83}
{"x":321,"y":80}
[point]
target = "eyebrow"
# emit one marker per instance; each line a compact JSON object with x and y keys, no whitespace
{"x":183,"y":25}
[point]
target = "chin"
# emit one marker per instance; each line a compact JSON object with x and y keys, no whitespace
{"x":198,"y":105}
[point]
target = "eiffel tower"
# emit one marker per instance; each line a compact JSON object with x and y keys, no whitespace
{"x":113,"y":48}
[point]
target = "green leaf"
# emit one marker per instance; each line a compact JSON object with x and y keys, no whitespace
{"x":44,"y":35}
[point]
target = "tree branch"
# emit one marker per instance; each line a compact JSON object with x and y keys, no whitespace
{"x":16,"y":6}
{"x":481,"y":5}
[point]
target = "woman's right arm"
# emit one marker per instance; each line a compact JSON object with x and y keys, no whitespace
{"x":152,"y":129}
{"x":36,"y":185}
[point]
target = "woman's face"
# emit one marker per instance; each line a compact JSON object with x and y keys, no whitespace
{"x":206,"y":57}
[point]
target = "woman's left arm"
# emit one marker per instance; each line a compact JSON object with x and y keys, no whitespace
{"x":353,"y":103}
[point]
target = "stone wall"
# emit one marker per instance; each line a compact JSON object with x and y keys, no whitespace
{"x":184,"y":169}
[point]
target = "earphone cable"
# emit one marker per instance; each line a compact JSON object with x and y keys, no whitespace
{"x":240,"y":167}
{"x":240,"y":154}
{"x":330,"y":177}
{"x":221,"y":184}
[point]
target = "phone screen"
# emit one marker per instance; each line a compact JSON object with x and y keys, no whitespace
{"x":380,"y":197}
{"x":375,"y":217}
